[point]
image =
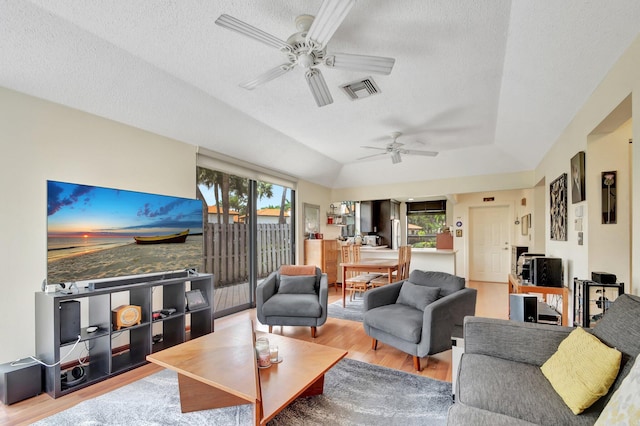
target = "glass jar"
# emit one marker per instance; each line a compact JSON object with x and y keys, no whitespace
{"x":262,"y":352}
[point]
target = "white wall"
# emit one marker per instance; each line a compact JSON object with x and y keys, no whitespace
{"x":437,"y":188}
{"x":42,"y":141}
{"x":606,"y":153}
{"x":621,"y":81}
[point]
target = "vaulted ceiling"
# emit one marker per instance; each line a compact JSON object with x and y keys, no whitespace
{"x":490,"y":85}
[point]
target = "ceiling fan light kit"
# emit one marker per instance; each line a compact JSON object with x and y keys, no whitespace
{"x":394,"y":149}
{"x":395,"y":157}
{"x":307,"y":48}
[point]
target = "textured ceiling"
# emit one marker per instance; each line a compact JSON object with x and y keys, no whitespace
{"x":490,"y":85}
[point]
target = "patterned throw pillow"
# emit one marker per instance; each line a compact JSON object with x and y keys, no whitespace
{"x":582,"y":369}
{"x":623,"y":408}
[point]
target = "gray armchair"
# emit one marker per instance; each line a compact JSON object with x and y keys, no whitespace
{"x":418,"y":315}
{"x":298,"y":300}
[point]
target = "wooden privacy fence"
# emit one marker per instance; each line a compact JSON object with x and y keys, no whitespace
{"x":226,"y":248}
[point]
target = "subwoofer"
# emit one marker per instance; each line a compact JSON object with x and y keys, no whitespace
{"x":21,"y":381}
{"x":523,"y":308}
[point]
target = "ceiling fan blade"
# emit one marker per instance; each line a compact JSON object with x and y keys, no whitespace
{"x":318,"y":87}
{"x":373,"y":147}
{"x":328,"y":19}
{"x":250,"y":31}
{"x":364,"y":63}
{"x":417,"y":152}
{"x":372,"y":155}
{"x":267,"y":76}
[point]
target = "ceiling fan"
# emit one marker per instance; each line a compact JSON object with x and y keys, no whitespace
{"x":395,"y":149}
{"x":307,"y":49}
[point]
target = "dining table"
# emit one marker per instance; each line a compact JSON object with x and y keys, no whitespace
{"x":387,"y":266}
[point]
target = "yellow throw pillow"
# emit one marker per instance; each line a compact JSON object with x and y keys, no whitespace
{"x":582,"y":369}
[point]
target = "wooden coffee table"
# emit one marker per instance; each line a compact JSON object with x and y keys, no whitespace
{"x":220,"y":369}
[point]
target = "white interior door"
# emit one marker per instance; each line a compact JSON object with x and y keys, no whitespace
{"x":489,"y":244}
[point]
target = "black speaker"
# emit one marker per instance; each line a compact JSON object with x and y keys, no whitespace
{"x":603,"y":277}
{"x":546,"y":271}
{"x":73,"y":377}
{"x":20,"y":381}
{"x":523,"y":308}
{"x":69,"y":321}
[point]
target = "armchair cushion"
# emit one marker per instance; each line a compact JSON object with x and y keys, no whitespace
{"x":398,"y":320}
{"x":447,"y":283}
{"x":297,"y":284}
{"x":417,"y":296}
{"x":292,"y":305}
{"x":582,"y":369}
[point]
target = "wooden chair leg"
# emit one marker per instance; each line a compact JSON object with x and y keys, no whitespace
{"x":416,"y":363}
{"x":270,"y":328}
{"x":374,"y":344}
{"x":313,"y":332}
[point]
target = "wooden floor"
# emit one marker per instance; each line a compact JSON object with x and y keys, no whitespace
{"x":493,"y":300}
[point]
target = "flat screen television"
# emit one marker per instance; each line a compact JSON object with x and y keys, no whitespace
{"x":95,"y":233}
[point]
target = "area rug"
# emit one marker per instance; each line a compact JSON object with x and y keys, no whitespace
{"x":352,"y":310}
{"x":355,"y":393}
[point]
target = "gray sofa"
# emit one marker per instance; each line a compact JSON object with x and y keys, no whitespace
{"x":419,"y":332}
{"x":274,"y":307}
{"x":500,"y":381}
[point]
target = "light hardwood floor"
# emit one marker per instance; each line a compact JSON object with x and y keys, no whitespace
{"x":493,"y":302}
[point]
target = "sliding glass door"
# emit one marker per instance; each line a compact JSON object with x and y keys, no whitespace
{"x":248,"y":233}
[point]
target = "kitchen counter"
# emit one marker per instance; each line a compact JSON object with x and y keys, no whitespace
{"x":426,"y":259}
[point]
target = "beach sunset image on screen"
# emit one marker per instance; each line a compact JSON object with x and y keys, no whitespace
{"x":95,"y":232}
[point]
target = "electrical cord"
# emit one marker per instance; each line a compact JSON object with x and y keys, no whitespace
{"x":34,"y":359}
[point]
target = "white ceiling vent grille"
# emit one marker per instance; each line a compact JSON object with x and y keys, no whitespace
{"x":361,"y":88}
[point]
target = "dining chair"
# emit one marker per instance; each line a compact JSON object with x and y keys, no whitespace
{"x":355,"y":282}
{"x":404,"y":263}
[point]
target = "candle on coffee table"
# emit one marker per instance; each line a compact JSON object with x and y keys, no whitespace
{"x":273,"y":351}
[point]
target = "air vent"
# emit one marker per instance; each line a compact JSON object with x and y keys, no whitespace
{"x":361,"y":88}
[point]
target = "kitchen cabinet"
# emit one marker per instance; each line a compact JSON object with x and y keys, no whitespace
{"x":377,"y":216}
{"x":366,"y":217}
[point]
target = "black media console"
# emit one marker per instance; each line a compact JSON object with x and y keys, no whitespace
{"x":123,"y":337}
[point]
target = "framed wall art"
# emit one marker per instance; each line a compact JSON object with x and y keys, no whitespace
{"x":609,"y":197}
{"x":578,"y":189}
{"x":558,"y":207}
{"x":524,"y":228}
{"x":311,"y":219}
